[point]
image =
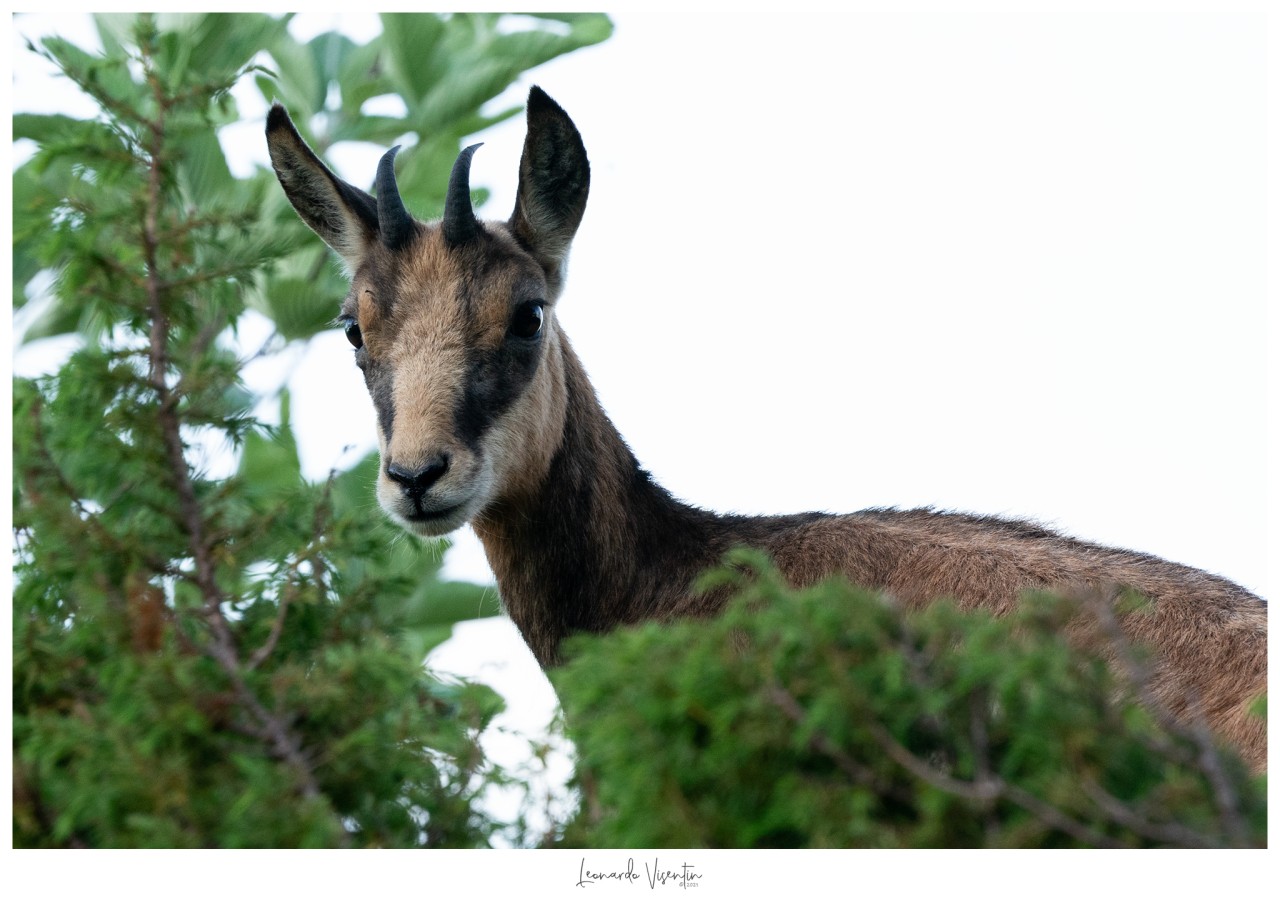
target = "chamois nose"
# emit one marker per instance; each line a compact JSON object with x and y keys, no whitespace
{"x":415,"y":484}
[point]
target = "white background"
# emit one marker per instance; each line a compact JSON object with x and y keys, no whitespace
{"x":1005,"y":263}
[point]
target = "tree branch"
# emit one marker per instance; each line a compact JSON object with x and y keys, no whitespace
{"x":987,"y":791}
{"x":1122,"y":814}
{"x":1197,"y":730}
{"x":787,"y":704}
{"x":222,"y":647}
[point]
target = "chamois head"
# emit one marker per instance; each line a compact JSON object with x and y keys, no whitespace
{"x":453,"y":322}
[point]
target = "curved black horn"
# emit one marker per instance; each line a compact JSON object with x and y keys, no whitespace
{"x":460,"y":225}
{"x":395,"y":225}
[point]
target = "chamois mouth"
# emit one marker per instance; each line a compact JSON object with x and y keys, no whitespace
{"x":421,"y":516}
{"x":433,"y":522}
{"x":433,"y":519}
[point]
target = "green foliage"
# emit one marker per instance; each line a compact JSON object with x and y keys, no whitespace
{"x":828,"y":717}
{"x":231,"y":659}
{"x":444,"y":69}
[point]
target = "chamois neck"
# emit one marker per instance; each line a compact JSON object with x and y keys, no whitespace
{"x":596,"y":543}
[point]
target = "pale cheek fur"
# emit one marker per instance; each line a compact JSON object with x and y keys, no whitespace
{"x":522,"y":442}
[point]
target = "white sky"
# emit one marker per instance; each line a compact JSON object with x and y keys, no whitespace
{"x":1013,"y":264}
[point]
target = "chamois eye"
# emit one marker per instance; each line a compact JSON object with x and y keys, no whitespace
{"x":527,"y":320}
{"x":352,"y":328}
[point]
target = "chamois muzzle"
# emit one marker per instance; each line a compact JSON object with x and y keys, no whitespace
{"x":415,"y":483}
{"x":460,"y":224}
{"x":395,"y":225}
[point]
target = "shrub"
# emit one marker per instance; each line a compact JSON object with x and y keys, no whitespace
{"x":829,"y":717}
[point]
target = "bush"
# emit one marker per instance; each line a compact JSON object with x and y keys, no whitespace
{"x":828,"y":717}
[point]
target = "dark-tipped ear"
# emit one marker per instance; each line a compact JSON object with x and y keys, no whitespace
{"x":345,"y":217}
{"x":554,"y":179}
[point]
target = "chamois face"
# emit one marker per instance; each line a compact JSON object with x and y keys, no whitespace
{"x":453,"y":324}
{"x":453,"y":344}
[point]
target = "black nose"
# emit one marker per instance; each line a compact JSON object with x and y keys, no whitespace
{"x":415,"y":484}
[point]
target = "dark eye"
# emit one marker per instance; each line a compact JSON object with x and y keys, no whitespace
{"x":353,"y":331}
{"x":527,"y":320}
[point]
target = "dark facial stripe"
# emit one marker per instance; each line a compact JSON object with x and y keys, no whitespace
{"x":495,"y":379}
{"x":381,"y":382}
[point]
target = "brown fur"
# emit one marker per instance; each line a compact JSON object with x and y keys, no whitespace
{"x":582,"y":540}
{"x":619,"y":550}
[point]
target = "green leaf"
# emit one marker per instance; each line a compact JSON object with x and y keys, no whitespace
{"x":115,"y":30}
{"x":44,"y":128}
{"x":448,"y":602}
{"x":297,"y":309}
{"x":205,"y":175}
{"x":411,"y":41}
{"x":375,"y":129}
{"x":524,"y":50}
{"x":362,"y":77}
{"x":269,"y":460}
{"x":29,"y":224}
{"x":298,"y":84}
{"x":328,"y":50}
{"x":223,"y":43}
{"x":352,"y":490}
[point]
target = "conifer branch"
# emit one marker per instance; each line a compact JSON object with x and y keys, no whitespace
{"x":222,"y":648}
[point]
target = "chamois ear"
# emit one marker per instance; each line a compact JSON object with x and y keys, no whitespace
{"x":345,"y":217}
{"x":554,"y":179}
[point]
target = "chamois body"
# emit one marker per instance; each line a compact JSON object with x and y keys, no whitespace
{"x":639,"y":556}
{"x":486,"y":415}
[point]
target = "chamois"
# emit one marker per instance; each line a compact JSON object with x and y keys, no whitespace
{"x":486,"y":416}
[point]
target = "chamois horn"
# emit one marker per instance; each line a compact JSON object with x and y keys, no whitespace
{"x":395,"y":225}
{"x":460,"y":224}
